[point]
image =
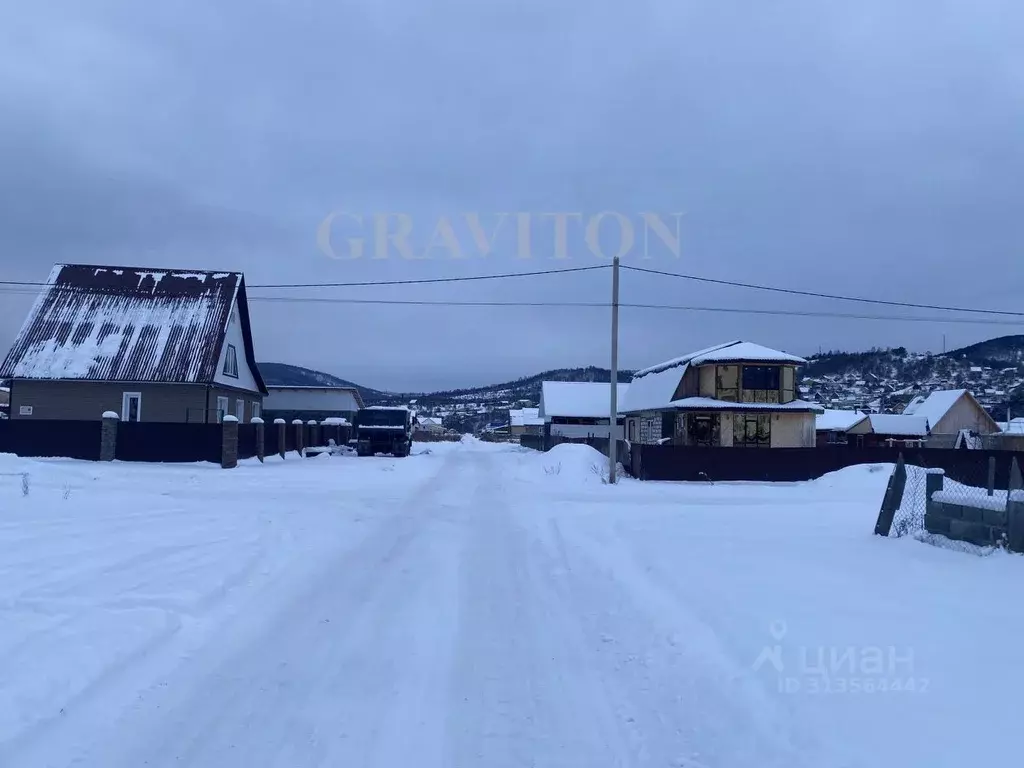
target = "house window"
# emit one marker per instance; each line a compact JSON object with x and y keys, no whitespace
{"x":256,"y":410}
{"x":761,"y":377}
{"x":752,"y":430}
{"x":231,"y":362}
{"x":131,"y":406}
{"x":222,"y":409}
{"x":240,"y":410}
{"x":727,"y":383}
{"x":837,"y":438}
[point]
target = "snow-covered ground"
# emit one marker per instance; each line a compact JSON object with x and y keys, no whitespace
{"x":485,"y":605}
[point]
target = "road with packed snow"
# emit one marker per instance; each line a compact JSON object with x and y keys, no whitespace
{"x":482,"y":606}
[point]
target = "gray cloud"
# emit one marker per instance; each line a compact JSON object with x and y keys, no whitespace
{"x":854,"y":148}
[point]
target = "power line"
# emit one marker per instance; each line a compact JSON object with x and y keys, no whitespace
{"x":607,"y":305}
{"x":429,"y":302}
{"x":599,"y":305}
{"x":366,"y":283}
{"x":819,"y":295}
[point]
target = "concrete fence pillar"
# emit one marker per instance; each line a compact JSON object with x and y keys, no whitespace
{"x":229,"y":442}
{"x":260,"y":438}
{"x":282,"y":436}
{"x":933,"y":481}
{"x":314,"y":437}
{"x":108,"y":436}
{"x":299,"y":428}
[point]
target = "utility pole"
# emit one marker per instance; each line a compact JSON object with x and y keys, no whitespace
{"x":614,"y":421}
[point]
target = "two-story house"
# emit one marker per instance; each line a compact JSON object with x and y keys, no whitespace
{"x":733,"y":394}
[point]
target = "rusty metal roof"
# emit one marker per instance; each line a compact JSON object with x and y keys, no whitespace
{"x":128,"y":324}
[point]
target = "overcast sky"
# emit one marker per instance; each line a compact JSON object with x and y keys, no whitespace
{"x":870,"y":148}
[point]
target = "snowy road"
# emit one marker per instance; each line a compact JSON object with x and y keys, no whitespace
{"x":472,"y":607}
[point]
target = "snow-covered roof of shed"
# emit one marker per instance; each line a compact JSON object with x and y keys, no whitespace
{"x":1015,"y":426}
{"x":898,"y":424}
{"x":935,"y":406}
{"x":127,"y":324}
{"x":836,"y":420}
{"x":577,"y":399}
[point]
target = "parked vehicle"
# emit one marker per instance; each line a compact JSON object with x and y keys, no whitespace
{"x":382,"y":429}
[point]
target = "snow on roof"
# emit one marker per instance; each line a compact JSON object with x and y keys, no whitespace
{"x":730,"y":351}
{"x":745,"y":351}
{"x":653,"y":387}
{"x":525,"y":417}
{"x":835,"y":420}
{"x":711,"y":404}
{"x":125,"y":324}
{"x":898,"y":424}
{"x":678,"y":361}
{"x":326,"y":387}
{"x":935,"y":406}
{"x":1015,"y":426}
{"x":652,"y":390}
{"x":577,"y":399}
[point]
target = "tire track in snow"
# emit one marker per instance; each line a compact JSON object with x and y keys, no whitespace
{"x":522,"y":694}
{"x":333,"y":675}
{"x":683,"y":674}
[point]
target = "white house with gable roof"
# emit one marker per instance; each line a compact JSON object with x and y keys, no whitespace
{"x":951,"y":410}
{"x":579,"y":409}
{"x":733,"y":394}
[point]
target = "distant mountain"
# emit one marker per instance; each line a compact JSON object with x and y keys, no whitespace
{"x":526,"y":388}
{"x":284,"y":375}
{"x":1004,"y":351}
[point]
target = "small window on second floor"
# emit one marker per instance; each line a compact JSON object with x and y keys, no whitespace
{"x":231,"y":362}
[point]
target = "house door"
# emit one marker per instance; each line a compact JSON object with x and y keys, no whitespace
{"x":131,"y":406}
{"x":703,"y":429}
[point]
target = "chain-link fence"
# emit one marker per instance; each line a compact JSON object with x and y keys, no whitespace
{"x":957,"y":512}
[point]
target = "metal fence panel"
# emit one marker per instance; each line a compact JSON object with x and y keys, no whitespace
{"x":167,"y":442}
{"x":39,"y":438}
{"x":247,"y":441}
